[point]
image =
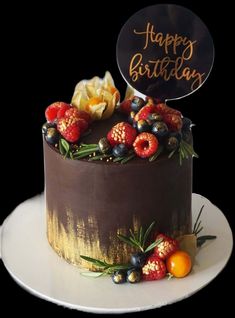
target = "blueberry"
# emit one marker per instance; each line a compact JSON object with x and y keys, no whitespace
{"x":46,"y":126}
{"x":134,"y":124}
{"x":119,"y":150}
{"x":104,"y":145}
{"x":142,"y":126}
{"x":187,"y":136}
{"x":134,"y":275}
{"x":131,"y":117}
{"x":137,"y":103}
{"x":154,"y":117}
{"x":172,"y":143}
{"x":138,"y":259}
{"x":52,"y":136}
{"x":159,"y":129}
{"x":119,"y":277}
{"x":187,"y":124}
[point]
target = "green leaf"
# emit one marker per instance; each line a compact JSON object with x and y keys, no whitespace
{"x":71,"y":155}
{"x":141,"y":236}
{"x":171,"y":154}
{"x":147,"y":232}
{"x":65,"y":145}
{"x":118,"y":159}
{"x":61,"y":148}
{"x":157,"y":154}
{"x":125,"y":160}
{"x":202,"y":239}
{"x":126,"y":240}
{"x":93,"y":274}
{"x":94,"y":261}
{"x":197,"y":220}
{"x":154,"y":244}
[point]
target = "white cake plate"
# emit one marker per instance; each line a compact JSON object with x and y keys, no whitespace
{"x":37,"y":268}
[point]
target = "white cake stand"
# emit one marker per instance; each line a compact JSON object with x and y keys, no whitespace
{"x":37,"y":268}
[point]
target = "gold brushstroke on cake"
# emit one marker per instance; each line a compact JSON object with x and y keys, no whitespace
{"x":81,"y":237}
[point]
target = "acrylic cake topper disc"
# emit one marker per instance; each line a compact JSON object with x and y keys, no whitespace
{"x":165,"y":51}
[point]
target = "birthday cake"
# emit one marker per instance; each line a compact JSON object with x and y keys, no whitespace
{"x":117,"y":169}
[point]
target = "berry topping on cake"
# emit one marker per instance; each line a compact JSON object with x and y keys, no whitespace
{"x":125,"y":106}
{"x":138,"y":259}
{"x":174,"y":122}
{"x":122,"y":133}
{"x":53,"y":109}
{"x":137,"y":103}
{"x":120,"y":150}
{"x":145,"y":145}
{"x":69,"y":129}
{"x":163,"y":110}
{"x":52,"y":136}
{"x":154,"y":268}
{"x":145,"y":112}
{"x":104,"y":145}
{"x":143,"y":126}
{"x":167,"y":246}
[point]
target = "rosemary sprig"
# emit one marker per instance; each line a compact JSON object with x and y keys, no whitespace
{"x":138,"y":239}
{"x":197,"y":228}
{"x":128,"y":158}
{"x":185,"y":151}
{"x":104,"y":266}
{"x":157,"y":154}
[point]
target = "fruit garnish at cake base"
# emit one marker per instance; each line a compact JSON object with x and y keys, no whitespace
{"x":142,"y":129}
{"x":164,"y":256}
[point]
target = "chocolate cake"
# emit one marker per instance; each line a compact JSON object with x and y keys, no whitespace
{"x":89,"y":202}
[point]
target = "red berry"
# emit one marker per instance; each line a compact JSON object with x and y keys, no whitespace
{"x":166,"y":248}
{"x":62,"y":110}
{"x":125,"y":106}
{"x":52,"y":110}
{"x":174,"y":122}
{"x":82,"y":124}
{"x":69,"y":129}
{"x":153,"y":269}
{"x":145,"y":145}
{"x":122,"y":133}
{"x":163,"y":109}
{"x":145,"y":112}
{"x":73,"y":112}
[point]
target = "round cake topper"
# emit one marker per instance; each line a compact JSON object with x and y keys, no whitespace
{"x":165,"y":51}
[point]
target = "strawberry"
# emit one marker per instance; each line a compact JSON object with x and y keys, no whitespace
{"x":125,"y":106}
{"x":69,"y":129}
{"x":145,"y":145}
{"x":166,"y":248}
{"x":145,"y":112}
{"x":154,"y":268}
{"x":122,"y":133}
{"x":163,"y":109}
{"x":53,"y":109}
{"x":174,"y":122}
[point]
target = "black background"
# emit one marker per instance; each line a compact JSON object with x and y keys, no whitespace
{"x":45,"y":52}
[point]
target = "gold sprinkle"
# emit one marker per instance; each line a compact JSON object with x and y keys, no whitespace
{"x":90,"y":156}
{"x":94,"y":154}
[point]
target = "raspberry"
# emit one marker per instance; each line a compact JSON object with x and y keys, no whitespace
{"x":125,"y":106}
{"x":53,"y":109}
{"x":154,"y":268}
{"x":69,"y":129}
{"x":145,"y":112}
{"x":82,"y":124}
{"x":174,"y":122}
{"x":145,"y":145}
{"x":122,"y":133}
{"x":79,"y":114}
{"x":166,"y":248}
{"x":163,"y":109}
{"x":62,"y":110}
